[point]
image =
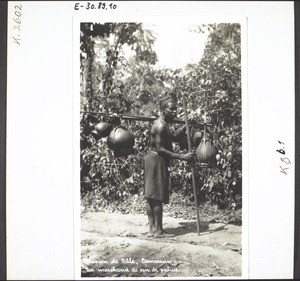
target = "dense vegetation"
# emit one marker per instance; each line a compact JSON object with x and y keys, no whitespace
{"x":114,"y":82}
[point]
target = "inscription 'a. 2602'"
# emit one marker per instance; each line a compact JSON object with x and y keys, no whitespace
{"x":17,"y":24}
{"x":284,"y":160}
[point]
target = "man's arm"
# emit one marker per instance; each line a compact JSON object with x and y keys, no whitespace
{"x":161,"y":135}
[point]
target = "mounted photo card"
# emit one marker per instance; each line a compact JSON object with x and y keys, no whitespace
{"x":150,"y":139}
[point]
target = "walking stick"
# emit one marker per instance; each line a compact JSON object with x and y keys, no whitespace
{"x":192,"y":164}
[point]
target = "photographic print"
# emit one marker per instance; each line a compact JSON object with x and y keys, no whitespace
{"x":150,"y":139}
{"x":161,"y":149}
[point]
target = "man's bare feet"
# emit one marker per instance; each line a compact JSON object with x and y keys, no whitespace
{"x":150,"y":234}
{"x":164,"y":235}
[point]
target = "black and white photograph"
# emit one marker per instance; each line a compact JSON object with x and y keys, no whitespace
{"x":150,"y":140}
{"x":161,"y":149}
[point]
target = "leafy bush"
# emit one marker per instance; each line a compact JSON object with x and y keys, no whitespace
{"x":112,"y":83}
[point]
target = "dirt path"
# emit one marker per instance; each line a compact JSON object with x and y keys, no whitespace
{"x":119,"y":238}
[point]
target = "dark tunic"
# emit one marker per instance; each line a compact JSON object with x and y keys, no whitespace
{"x":156,"y":177}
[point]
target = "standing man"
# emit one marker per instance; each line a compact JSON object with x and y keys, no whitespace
{"x":156,"y":174}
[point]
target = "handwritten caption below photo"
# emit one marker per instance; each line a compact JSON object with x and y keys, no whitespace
{"x":142,"y":265}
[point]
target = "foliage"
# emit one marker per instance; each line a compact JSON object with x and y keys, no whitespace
{"x":214,"y":87}
{"x":111,"y":83}
{"x":115,"y":82}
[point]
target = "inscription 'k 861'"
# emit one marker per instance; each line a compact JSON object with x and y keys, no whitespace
{"x":285,"y":160}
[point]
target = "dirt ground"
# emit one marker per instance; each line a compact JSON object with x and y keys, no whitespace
{"x":116,"y":245}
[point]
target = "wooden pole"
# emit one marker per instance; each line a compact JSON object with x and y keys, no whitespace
{"x":145,"y":118}
{"x":192,"y":164}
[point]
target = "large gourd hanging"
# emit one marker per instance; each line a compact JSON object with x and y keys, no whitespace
{"x":197,"y":137}
{"x":206,"y":151}
{"x":121,"y":141}
{"x":195,"y":140}
{"x":102,"y":130}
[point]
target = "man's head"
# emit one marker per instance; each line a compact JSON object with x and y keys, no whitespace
{"x":168,"y":107}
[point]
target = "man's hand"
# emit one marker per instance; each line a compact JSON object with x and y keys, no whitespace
{"x":188,"y":156}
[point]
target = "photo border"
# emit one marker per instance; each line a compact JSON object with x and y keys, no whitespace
{"x":242,"y":20}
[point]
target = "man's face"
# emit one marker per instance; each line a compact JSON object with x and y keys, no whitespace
{"x":170,"y":111}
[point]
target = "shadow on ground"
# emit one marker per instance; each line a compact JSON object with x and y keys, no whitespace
{"x":191,"y":227}
{"x":188,"y":227}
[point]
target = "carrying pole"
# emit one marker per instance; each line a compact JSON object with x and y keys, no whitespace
{"x":145,"y":118}
{"x":191,"y":164}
